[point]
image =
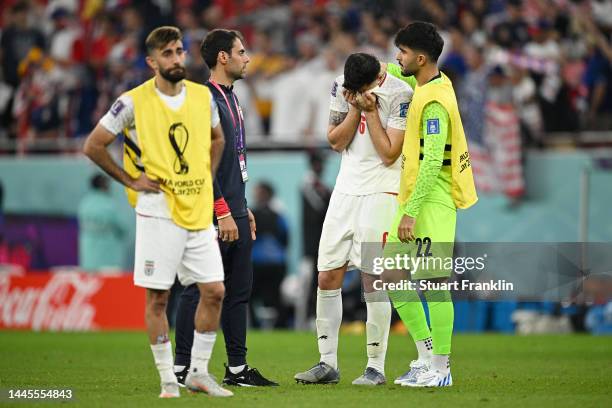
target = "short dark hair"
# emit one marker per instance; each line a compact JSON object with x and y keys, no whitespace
{"x":360,"y":69}
{"x":216,"y":41}
{"x":421,"y":36}
{"x":162,"y":36}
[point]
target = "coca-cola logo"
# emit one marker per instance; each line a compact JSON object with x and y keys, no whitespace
{"x":62,"y":303}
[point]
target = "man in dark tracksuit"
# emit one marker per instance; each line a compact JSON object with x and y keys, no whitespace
{"x":224,"y":53}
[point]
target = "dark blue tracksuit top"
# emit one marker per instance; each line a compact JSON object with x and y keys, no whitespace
{"x":228,"y":183}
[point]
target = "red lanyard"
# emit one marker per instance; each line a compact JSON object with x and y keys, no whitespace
{"x":216,"y":85}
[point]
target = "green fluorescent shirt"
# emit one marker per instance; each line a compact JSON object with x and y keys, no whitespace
{"x":433,"y":182}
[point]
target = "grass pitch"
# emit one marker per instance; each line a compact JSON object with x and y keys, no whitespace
{"x":116,"y":369}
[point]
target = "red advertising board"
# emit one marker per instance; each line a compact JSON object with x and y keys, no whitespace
{"x":68,"y":301}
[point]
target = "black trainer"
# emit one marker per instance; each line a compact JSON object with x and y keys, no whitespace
{"x":248,"y":377}
{"x":181,"y":375}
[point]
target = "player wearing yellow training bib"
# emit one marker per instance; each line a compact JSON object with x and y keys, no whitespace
{"x":172,"y":147}
{"x":436,"y":179}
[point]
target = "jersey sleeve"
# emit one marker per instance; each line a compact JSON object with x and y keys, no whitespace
{"x":214,"y":113}
{"x":399,"y":109}
{"x":119,"y":116}
{"x":396,"y":71}
{"x":337,"y":102}
{"x":434,"y":129}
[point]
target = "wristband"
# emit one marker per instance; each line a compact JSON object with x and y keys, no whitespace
{"x":221,"y":208}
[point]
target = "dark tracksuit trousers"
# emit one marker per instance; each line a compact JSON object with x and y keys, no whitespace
{"x":238,"y":283}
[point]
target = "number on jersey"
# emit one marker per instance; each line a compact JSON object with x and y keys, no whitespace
{"x":362,"y":124}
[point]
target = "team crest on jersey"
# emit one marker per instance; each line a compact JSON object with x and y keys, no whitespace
{"x":334,"y":89}
{"x":403,"y":109}
{"x":433,"y":126}
{"x":117,"y":107}
{"x":149,"y":268}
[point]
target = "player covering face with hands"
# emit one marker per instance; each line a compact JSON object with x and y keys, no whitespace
{"x":366,"y":125}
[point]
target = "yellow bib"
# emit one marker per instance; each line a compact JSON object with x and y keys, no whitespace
{"x":175,"y":149}
{"x":462,"y":189}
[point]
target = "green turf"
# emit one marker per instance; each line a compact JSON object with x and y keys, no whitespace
{"x":116,"y":369}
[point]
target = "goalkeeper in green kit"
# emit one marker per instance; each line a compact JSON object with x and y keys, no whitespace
{"x":436,"y":179}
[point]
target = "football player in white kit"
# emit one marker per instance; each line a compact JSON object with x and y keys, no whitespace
{"x":367,"y":121}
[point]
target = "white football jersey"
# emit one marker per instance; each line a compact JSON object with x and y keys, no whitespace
{"x":362,"y":171}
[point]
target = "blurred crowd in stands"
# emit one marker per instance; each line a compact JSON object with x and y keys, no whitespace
{"x":526,"y":68}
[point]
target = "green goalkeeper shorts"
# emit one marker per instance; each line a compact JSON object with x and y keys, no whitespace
{"x":435,"y":236}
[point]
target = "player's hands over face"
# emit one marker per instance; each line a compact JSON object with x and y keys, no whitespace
{"x":351,"y":98}
{"x":252,"y":224}
{"x":405,"y":231}
{"x":366,"y":101}
{"x":228,"y":230}
{"x":145,"y":184}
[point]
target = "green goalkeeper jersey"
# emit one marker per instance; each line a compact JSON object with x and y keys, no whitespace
{"x":434,"y":179}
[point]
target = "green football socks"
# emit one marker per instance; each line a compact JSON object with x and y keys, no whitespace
{"x":441,"y":316}
{"x":410,"y":309}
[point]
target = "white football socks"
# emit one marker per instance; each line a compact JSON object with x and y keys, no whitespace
{"x":441,"y":362}
{"x":425,"y":349}
{"x":377,"y":329}
{"x":201,"y":351}
{"x":162,"y":353}
{"x":329,"y":318}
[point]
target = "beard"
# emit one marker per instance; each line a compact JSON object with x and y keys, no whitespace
{"x":406,"y":71}
{"x":237,"y":74}
{"x":409,"y":69}
{"x":174,"y":74}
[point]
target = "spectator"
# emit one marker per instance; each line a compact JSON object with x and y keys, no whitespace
{"x":269,"y":260}
{"x":510,"y":29}
{"x":266,"y":64}
{"x":502,"y":136}
{"x":473,"y":94}
{"x":454,"y":65}
{"x":66,"y":34}
{"x":101,"y":232}
{"x":36,"y":105}
{"x":471,"y":29}
{"x":525,"y":97}
{"x":323,"y":72}
{"x":598,"y":77}
{"x":290,"y":93}
{"x":561,"y":52}
{"x":543,"y":44}
{"x":18,"y":38}
{"x":16,"y":41}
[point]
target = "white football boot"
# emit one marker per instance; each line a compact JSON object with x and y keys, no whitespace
{"x":169,"y":390}
{"x":431,"y":378}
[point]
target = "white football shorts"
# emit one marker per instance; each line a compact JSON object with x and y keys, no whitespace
{"x":165,"y":250}
{"x":350,"y":221}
